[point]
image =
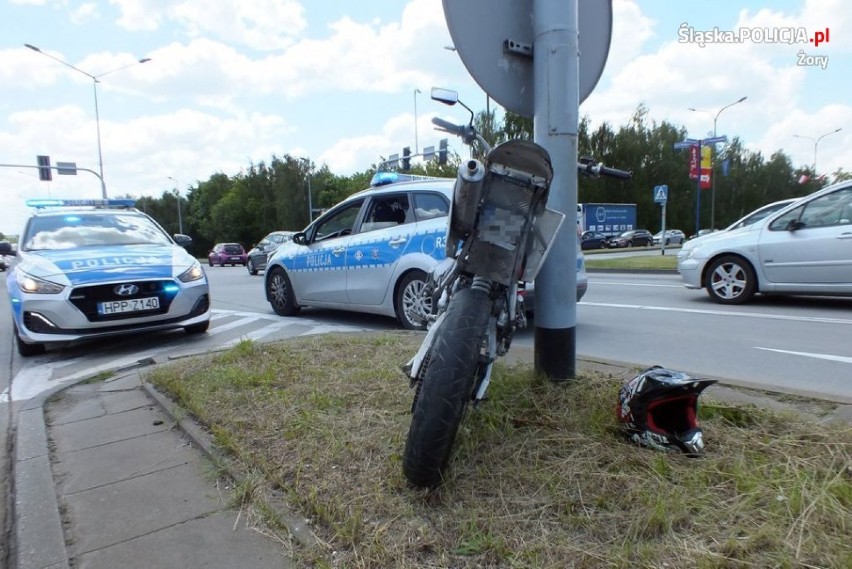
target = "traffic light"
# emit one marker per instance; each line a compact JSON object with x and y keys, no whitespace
{"x":406,"y":158}
{"x":44,"y":172}
{"x":442,"y":151}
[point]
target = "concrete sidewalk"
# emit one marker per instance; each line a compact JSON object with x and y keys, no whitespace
{"x":105,"y":477}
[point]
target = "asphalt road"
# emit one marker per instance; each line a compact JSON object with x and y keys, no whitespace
{"x":794,"y":345}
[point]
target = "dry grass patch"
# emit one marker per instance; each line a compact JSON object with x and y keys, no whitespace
{"x":541,"y":477}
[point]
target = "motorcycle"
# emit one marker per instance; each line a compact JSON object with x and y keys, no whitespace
{"x":499,"y":234}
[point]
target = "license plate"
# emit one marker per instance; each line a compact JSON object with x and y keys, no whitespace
{"x":235,"y":258}
{"x":130,"y":305}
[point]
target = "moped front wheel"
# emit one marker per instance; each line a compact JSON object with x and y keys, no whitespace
{"x":447,"y":387}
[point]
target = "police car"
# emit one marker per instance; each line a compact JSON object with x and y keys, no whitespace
{"x":370,"y":253}
{"x":96,"y":268}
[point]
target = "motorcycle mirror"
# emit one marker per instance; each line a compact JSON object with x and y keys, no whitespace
{"x":445,"y":96}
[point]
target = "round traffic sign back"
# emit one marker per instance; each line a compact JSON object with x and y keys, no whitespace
{"x":491,"y":37}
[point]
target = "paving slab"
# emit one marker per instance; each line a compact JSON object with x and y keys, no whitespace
{"x":128,"y":509}
{"x":91,"y":467}
{"x":106,"y":429}
{"x":73,"y":406}
{"x":210,"y":542}
{"x":121,"y":382}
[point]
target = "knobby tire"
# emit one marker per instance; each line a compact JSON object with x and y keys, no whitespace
{"x":447,"y":388}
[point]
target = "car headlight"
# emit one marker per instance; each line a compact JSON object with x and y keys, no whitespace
{"x":194,"y":273}
{"x":34,"y":285}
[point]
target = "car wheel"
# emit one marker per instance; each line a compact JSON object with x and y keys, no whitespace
{"x":630,"y":243}
{"x":199,"y":328}
{"x":210,"y":262}
{"x":730,"y":280}
{"x":27,"y":350}
{"x":412,"y":306}
{"x":251,"y":268}
{"x":279,"y":291}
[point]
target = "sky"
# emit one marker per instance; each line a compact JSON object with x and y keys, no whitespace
{"x":232,"y":83}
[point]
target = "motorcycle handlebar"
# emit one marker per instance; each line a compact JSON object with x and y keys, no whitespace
{"x":448,"y":126}
{"x":596,"y":169}
{"x":616,"y":173}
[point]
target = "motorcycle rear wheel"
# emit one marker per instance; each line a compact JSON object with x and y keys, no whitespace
{"x":447,"y":388}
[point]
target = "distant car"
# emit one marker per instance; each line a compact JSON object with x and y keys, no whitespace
{"x":259,"y":253}
{"x":803,"y":248}
{"x":632,"y":238}
{"x":753,"y":217}
{"x":227,"y":254}
{"x":593,"y":240}
{"x":702,"y":233}
{"x":673,"y":237}
{"x":90,"y":269}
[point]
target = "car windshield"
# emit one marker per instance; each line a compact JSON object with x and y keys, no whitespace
{"x":762,"y":213}
{"x":233,"y":249}
{"x":81,"y":229}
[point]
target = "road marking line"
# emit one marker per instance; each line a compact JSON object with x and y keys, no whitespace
{"x":231,"y":325}
{"x":616,"y":283}
{"x":721,"y":313}
{"x":829,"y":357}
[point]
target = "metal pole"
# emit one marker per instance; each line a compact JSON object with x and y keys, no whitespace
{"x":310,"y":200}
{"x":817,"y":143}
{"x":94,"y":78}
{"x":556,"y":78}
{"x":698,"y":191}
{"x":713,"y":158}
{"x":98,"y":127}
{"x":177,"y":195}
{"x":416,"y":148}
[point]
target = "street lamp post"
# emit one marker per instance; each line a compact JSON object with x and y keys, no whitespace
{"x":177,"y":195}
{"x":416,"y":148}
{"x":95,"y":81}
{"x":816,"y":143}
{"x":713,"y":159}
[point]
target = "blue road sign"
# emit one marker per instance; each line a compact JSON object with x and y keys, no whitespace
{"x":686,"y":143}
{"x":661,"y":194}
{"x":715,"y":139}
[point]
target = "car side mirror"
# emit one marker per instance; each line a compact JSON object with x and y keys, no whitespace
{"x":182,"y":240}
{"x":795,"y":225}
{"x":5,"y":248}
{"x":300,"y":238}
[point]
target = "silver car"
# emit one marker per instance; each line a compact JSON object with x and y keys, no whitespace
{"x":98,"y":268}
{"x":259,"y":253}
{"x":803,"y":248}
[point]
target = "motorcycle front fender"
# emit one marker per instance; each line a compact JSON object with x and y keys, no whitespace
{"x":544,"y":234}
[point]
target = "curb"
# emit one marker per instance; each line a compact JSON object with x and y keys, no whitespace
{"x":37,"y":537}
{"x":297,"y":526}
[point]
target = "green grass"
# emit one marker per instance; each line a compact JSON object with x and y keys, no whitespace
{"x":654,"y":260}
{"x":541,"y":477}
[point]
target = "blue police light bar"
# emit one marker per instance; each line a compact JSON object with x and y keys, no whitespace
{"x":42,"y":203}
{"x":385,"y":178}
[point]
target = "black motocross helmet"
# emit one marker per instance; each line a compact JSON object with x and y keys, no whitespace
{"x":658,"y":408}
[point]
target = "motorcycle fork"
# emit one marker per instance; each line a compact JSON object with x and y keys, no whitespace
{"x":486,"y":361}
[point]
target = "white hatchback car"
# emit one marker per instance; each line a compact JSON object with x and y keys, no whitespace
{"x":803,"y":248}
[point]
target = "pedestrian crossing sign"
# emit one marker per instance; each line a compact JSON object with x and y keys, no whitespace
{"x":661,"y":194}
